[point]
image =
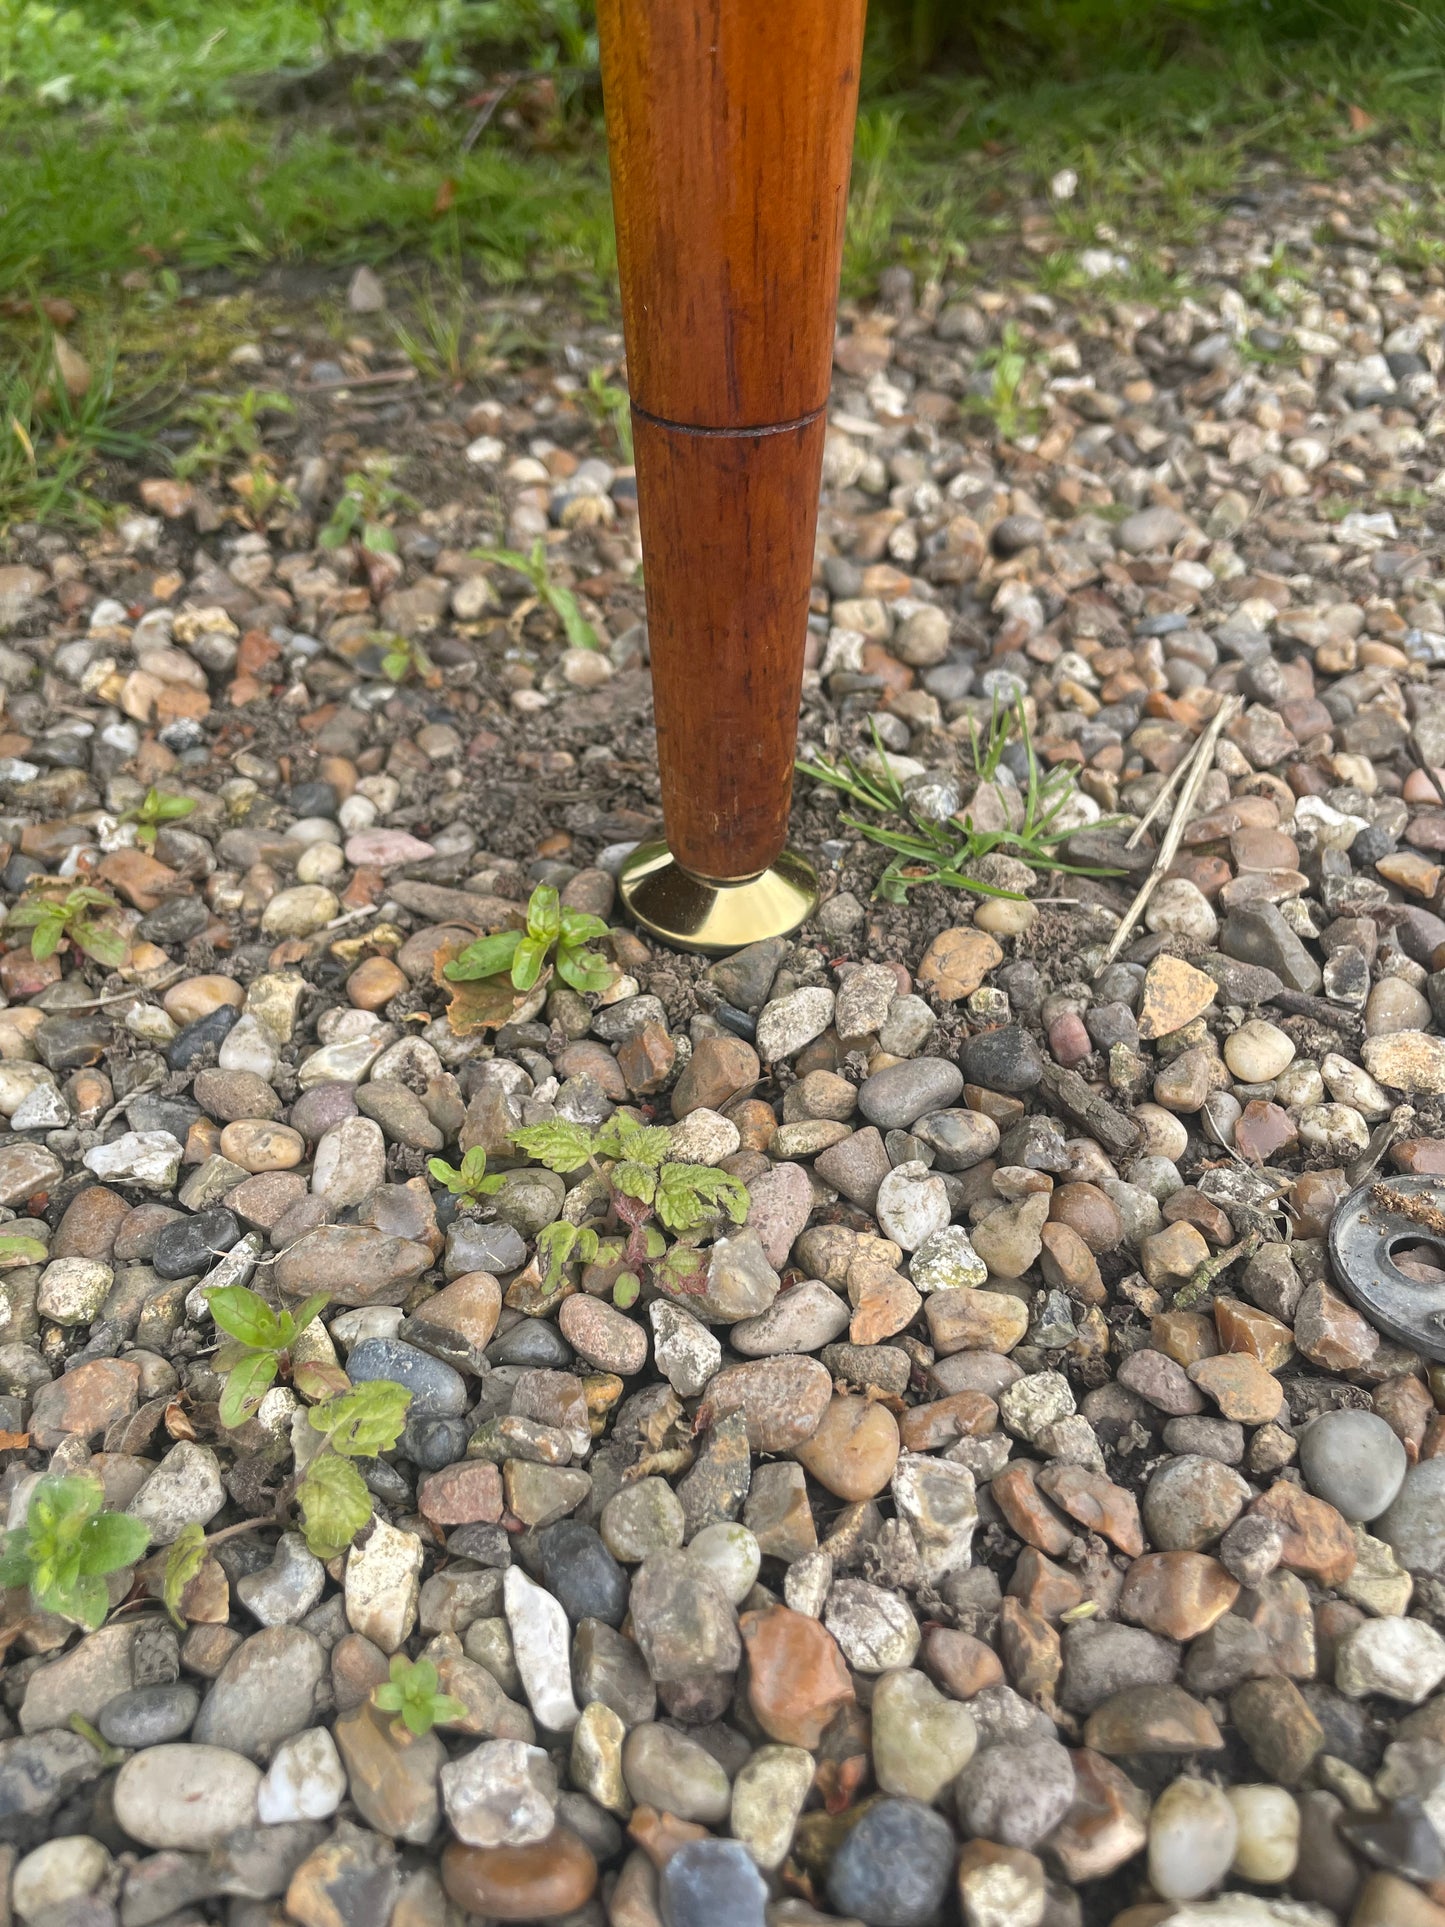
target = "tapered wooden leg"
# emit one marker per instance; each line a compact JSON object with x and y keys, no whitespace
{"x":730,"y":124}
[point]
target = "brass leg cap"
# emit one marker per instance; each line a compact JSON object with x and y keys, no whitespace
{"x":694,"y":914}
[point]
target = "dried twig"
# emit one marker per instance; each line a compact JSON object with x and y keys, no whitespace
{"x":1203,"y":756}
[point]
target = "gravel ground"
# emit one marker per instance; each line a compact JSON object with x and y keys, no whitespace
{"x":1010,"y":1521}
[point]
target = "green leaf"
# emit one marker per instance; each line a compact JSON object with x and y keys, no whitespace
{"x":474,"y":1167}
{"x":561,"y":1146}
{"x":309,"y":1311}
{"x":83,"y":1599}
{"x":169,"y":809}
{"x":61,"y":1505}
{"x":447,"y":1175}
{"x":45,"y":940}
{"x":184,"y":1560}
{"x":528,"y":961}
{"x":578,"y":630}
{"x":422,"y":1679}
{"x":98,"y":940}
{"x":335,"y":1504}
{"x":584,"y":969}
{"x":365,"y":1421}
{"x":314,"y":1381}
{"x":555,"y":1243}
{"x":544,"y":914}
{"x":387,"y":1697}
{"x":247,"y":1383}
{"x":377,"y":537}
{"x":634,"y":1180}
{"x":689,"y":1194}
{"x":245,"y":1315}
{"x":445,"y":1709}
{"x":111,"y":1542}
{"x":15,"y":1558}
{"x":625,"y":1290}
{"x":487,"y":957}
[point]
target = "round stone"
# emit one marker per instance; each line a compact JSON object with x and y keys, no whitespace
{"x":57,"y":1876}
{"x":668,"y":1769}
{"x":1193,"y":1833}
{"x":896,"y":1097}
{"x":576,"y":1567}
{"x":538,"y":1882}
{"x":1257,"y":1052}
{"x":186,"y":1796}
{"x":730,"y":1556}
{"x":149,"y":1715}
{"x":189,"y":1246}
{"x":1006,"y":1060}
{"x":912,"y":1205}
{"x":711,"y":1883}
{"x":893,"y":1868}
{"x":1267,"y":1847}
{"x":1353,"y":1461}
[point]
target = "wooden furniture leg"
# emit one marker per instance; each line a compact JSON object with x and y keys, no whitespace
{"x":730,"y":125}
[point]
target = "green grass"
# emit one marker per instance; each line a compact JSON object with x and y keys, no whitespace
{"x":148,"y":142}
{"x":148,"y":134}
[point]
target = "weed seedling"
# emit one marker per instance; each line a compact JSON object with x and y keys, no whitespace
{"x":230,"y":429}
{"x":642,"y":1182}
{"x":523,"y":953}
{"x":157,"y":808}
{"x":611,"y":407}
{"x":68,"y":1544}
{"x":927,"y":851}
{"x":73,"y":919}
{"x":405,"y":657}
{"x":413,"y":1694}
{"x":578,"y":630}
{"x":259,"y":1348}
{"x":368,"y":498}
{"x":469,"y":1180}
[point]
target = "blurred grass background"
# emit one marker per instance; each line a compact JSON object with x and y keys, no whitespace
{"x":162,"y":138}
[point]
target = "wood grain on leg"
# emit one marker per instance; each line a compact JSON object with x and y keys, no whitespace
{"x":730,"y":124}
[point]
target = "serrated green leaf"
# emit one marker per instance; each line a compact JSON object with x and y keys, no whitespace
{"x":487,"y":957}
{"x":247,"y":1383}
{"x":560,"y":1146}
{"x":689,"y":1194}
{"x":184,"y":1560}
{"x":634,"y":1180}
{"x":111,"y":1542}
{"x":555,"y":1244}
{"x":335,"y":1504}
{"x":364,"y":1421}
{"x":245,"y":1315}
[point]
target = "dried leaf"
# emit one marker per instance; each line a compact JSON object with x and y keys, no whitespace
{"x":485,"y":1004}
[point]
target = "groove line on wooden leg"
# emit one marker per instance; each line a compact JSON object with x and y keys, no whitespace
{"x":730,"y":433}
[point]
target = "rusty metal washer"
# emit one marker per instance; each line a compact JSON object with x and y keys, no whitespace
{"x":1364,"y":1235}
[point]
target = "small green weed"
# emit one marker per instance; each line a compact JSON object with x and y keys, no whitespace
{"x":406,"y":657}
{"x":260,"y":1348}
{"x":927,"y":851}
{"x":523,"y":954}
{"x":468,"y":1180}
{"x":611,"y":407}
{"x":413,"y":1693}
{"x":157,"y":808}
{"x":533,"y":566}
{"x":230,"y":430}
{"x":53,"y":443}
{"x":1013,"y":400}
{"x":369,"y":501}
{"x":74,"y":919}
{"x":68,"y":1544}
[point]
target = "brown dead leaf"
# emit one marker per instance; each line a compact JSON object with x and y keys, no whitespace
{"x":485,"y":1004}
{"x":1360,"y":121}
{"x":178,"y":1421}
{"x":14,"y":1441}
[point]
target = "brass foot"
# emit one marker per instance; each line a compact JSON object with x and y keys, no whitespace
{"x":694,"y":914}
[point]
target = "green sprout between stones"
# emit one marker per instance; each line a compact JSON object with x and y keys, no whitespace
{"x":405,"y":657}
{"x":67,"y":1546}
{"x":259,"y":1346}
{"x":927,"y":851}
{"x":334,"y":1501}
{"x":413,"y":1694}
{"x":561,"y":601}
{"x":158,"y":807}
{"x":229,"y":429}
{"x":368,"y":498}
{"x":643,"y":1182}
{"x":469,"y":1179}
{"x":523,"y":954}
{"x":74,"y":918}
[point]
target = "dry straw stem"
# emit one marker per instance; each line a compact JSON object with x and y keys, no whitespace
{"x":1197,"y":763}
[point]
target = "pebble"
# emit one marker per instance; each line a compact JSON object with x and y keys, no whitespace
{"x":1193,"y":1836}
{"x":186,"y":1796}
{"x":1353,"y":1461}
{"x":894,"y":1866}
